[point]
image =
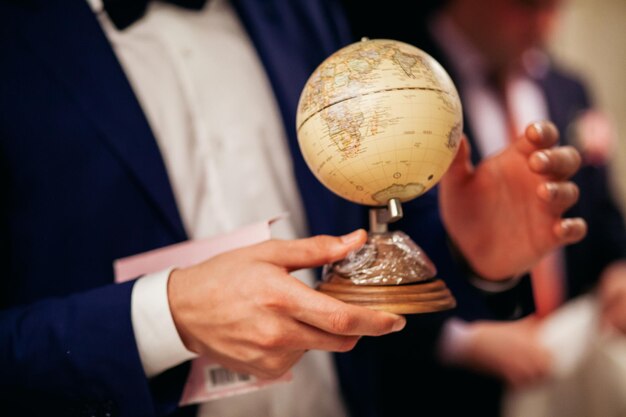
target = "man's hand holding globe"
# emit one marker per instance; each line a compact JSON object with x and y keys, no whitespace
{"x":381,"y":120}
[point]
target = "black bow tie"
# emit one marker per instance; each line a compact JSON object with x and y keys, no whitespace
{"x":124,"y":13}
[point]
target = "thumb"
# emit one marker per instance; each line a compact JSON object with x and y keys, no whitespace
{"x":461,"y":166}
{"x":310,"y":252}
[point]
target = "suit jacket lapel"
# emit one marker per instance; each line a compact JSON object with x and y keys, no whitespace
{"x":69,"y":39}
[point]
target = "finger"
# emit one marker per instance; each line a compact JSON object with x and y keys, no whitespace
{"x":558,"y":163}
{"x":612,"y":301}
{"x":309,"y":337}
{"x":282,"y":333}
{"x":609,"y":315}
{"x":538,"y":135}
{"x":570,"y":230}
{"x":559,"y":195}
{"x":461,"y":165}
{"x":333,"y":316}
{"x":613,"y":283}
{"x":310,"y":252}
{"x":616,"y":316}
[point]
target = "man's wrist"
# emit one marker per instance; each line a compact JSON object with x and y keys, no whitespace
{"x":477,"y":280}
{"x":158,"y":342}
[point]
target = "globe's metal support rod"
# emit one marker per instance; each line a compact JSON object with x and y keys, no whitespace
{"x":380,"y":217}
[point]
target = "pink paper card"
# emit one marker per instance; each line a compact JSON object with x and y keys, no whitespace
{"x":207,"y":379}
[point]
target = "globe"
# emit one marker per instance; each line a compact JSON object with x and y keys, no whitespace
{"x":379,"y":119}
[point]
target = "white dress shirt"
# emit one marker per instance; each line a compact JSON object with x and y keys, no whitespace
{"x":211,"y":108}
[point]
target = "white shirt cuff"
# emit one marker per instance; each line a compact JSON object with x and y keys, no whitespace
{"x":158,"y":342}
{"x":453,"y":341}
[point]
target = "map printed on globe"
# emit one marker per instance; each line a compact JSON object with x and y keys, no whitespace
{"x":379,"y":119}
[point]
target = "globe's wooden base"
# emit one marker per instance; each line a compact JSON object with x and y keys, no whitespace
{"x":422,"y":297}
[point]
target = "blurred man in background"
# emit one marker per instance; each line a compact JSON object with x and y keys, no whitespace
{"x":495,"y":52}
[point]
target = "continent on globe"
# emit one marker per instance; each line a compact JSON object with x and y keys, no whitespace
{"x":379,"y":119}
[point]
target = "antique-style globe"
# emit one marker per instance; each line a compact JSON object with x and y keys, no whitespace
{"x":379,"y":123}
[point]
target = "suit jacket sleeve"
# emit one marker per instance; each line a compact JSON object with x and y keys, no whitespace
{"x":83,"y":185}
{"x":63,"y":354}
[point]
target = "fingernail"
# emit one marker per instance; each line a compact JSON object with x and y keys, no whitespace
{"x":551,"y":189}
{"x":350,"y":237}
{"x":543,"y":159}
{"x":399,"y":324}
{"x":566,"y":225}
{"x":538,"y":128}
{"x":574,"y":228}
